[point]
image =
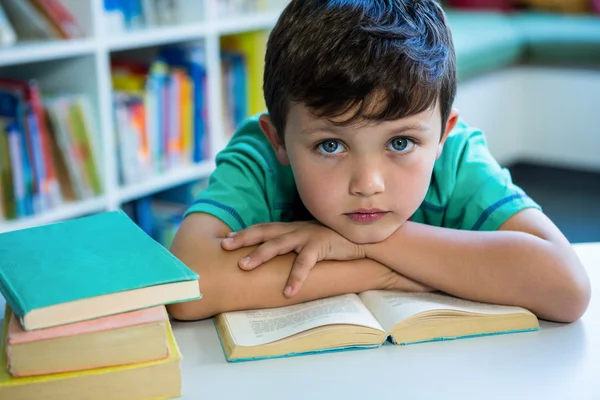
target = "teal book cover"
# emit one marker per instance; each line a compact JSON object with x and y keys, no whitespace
{"x":82,"y":258}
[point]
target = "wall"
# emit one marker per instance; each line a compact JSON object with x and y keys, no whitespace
{"x":537,"y":114}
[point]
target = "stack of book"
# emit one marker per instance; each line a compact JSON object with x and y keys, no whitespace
{"x":85,"y":315}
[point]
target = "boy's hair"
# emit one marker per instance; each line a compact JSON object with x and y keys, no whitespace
{"x":386,"y":59}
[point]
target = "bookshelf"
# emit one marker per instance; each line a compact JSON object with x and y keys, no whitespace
{"x":83,"y":66}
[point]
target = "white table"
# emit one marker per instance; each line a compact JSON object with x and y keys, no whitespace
{"x":558,"y":362}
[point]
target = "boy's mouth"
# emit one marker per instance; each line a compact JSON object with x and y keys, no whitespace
{"x":367,"y":216}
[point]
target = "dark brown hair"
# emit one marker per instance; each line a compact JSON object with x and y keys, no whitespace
{"x":340,"y":55}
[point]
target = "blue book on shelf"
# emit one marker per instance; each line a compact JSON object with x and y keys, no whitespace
{"x":192,"y":58}
{"x":42,"y":200}
{"x":12,"y":112}
{"x":13,"y":139}
{"x":240,"y":91}
{"x":363,"y":321}
{"x":156,"y":87}
{"x":143,"y":215}
{"x":88,"y":268}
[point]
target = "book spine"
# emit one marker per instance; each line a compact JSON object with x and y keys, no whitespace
{"x":53,"y":189}
{"x":41,"y":181}
{"x":8,"y":198}
{"x":66,"y":150}
{"x":16,"y":160}
{"x":60,"y":16}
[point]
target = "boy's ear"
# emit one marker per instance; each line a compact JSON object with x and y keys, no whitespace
{"x":450,"y":124}
{"x":266,"y":125}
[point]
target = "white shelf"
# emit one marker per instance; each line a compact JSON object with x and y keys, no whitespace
{"x":27,"y":52}
{"x":63,"y":212}
{"x":165,"y":181}
{"x":157,"y":36}
{"x":246,"y":23}
{"x":91,"y":75}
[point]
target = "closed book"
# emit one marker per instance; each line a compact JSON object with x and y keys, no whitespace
{"x":88,"y":268}
{"x":151,"y":380}
{"x":128,"y":338}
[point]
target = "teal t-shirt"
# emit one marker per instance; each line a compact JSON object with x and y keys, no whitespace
{"x":468,"y":189}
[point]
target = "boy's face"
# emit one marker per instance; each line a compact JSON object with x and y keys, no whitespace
{"x":364,"y":180}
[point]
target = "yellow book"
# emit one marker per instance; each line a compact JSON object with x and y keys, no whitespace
{"x":253,"y":45}
{"x":128,"y":82}
{"x":151,"y":380}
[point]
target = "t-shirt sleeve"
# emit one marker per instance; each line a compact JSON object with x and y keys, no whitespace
{"x":236,"y":190}
{"x":482,"y":194}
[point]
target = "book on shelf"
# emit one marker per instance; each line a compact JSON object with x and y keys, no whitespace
{"x":77,"y":140}
{"x":363,"y":321}
{"x":87,"y":268}
{"x":13,"y":120}
{"x":49,"y":149}
{"x":161,"y":114}
{"x":252,"y":46}
{"x":242,"y":68}
{"x":40,"y":19}
{"x":147,"y":380}
{"x":234,"y":90}
{"x":58,"y":15}
{"x":128,"y":15}
{"x":127,"y":338}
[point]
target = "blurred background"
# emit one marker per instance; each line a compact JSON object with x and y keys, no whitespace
{"x":108,"y":104}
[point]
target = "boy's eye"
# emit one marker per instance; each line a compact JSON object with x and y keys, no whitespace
{"x":330,"y":147}
{"x":400,"y":145}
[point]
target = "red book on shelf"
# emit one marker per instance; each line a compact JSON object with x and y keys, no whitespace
{"x":60,"y":17}
{"x":32,"y":95}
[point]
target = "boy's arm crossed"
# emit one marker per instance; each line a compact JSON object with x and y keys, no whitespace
{"x":528,"y":263}
{"x":225,"y":287}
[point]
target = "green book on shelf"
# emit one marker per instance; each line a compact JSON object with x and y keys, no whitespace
{"x":87,"y":268}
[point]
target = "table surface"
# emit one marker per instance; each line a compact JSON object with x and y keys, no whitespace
{"x":561,"y":361}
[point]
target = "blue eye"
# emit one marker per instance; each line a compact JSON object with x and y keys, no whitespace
{"x":330,"y":147}
{"x":400,"y":145}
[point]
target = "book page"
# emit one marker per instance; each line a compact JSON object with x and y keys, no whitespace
{"x":391,"y":307}
{"x":257,"y":327}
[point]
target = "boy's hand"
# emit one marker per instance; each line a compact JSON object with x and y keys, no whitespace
{"x":312,"y":242}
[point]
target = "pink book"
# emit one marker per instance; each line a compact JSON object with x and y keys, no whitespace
{"x":16,"y":334}
{"x":45,"y":351}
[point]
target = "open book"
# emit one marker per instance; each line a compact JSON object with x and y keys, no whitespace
{"x":362,"y":321}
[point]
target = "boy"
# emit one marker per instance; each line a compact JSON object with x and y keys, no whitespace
{"x":362,"y":176}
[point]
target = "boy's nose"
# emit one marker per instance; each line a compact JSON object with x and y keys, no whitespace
{"x":366,"y":181}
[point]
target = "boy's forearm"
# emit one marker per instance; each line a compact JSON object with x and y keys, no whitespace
{"x":503,"y":267}
{"x":225,"y":287}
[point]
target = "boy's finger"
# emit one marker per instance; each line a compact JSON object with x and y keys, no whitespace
{"x":254,"y":235}
{"x":305,"y":261}
{"x":277,"y":246}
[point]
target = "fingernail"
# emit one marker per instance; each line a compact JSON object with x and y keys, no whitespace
{"x":228,"y":240}
{"x":288,"y":290}
{"x":245,"y":260}
{"x":231,"y":234}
